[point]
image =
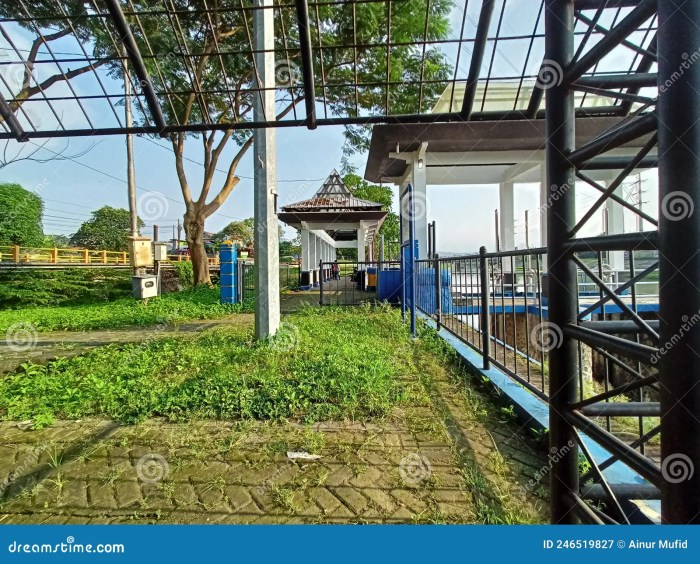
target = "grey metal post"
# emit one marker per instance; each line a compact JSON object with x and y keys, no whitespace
{"x":485,"y":317}
{"x":679,"y":261}
{"x":563,"y":360}
{"x":438,"y":293}
{"x":266,"y":237}
{"x":412,"y":258}
{"x":320,"y":282}
{"x":381,"y":252}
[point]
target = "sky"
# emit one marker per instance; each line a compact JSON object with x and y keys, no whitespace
{"x":94,"y":175}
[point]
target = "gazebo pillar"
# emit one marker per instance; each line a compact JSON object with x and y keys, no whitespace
{"x":615,"y":214}
{"x":506,"y":204}
{"x":306,"y":266}
{"x":361,"y":242}
{"x":420,"y":202}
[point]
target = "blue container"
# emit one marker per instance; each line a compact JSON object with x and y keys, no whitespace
{"x":389,"y":286}
{"x":228,"y":281}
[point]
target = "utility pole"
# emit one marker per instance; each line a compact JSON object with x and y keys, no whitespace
{"x":498,"y":232}
{"x":179,"y":234}
{"x":131,"y":175}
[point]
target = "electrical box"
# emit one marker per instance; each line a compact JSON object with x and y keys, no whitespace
{"x":144,"y":286}
{"x":140,"y":251}
{"x":160,"y":251}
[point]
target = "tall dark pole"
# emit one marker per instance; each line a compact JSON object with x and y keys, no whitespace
{"x":563,"y":361}
{"x":679,"y":259}
{"x":412,"y":258}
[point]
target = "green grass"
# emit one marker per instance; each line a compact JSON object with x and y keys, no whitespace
{"x":325,"y":364}
{"x":199,"y":303}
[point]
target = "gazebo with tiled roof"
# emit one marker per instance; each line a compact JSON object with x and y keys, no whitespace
{"x":332,"y":219}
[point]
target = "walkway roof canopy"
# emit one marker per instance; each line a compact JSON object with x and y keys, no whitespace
{"x":334,"y":68}
{"x":335,"y":210}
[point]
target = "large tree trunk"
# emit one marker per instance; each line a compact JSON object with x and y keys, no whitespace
{"x":194,"y":233}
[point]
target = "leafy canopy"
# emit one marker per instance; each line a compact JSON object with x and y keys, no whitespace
{"x":21,"y":217}
{"x":108,"y":229}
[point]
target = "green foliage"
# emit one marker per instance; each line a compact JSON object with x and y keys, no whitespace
{"x":71,"y":286}
{"x":360,"y":188}
{"x":21,"y":217}
{"x":326,"y":364}
{"x":56,"y":241}
{"x":108,"y":229}
{"x":197,"y":303}
{"x":239,"y":232}
{"x":185,"y":273}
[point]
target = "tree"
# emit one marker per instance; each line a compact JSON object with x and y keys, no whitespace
{"x":360,"y":188}
{"x":56,"y":241}
{"x":239,"y":232}
{"x":208,"y":86}
{"x":21,"y":217}
{"x":26,"y":84}
{"x":108,"y":229}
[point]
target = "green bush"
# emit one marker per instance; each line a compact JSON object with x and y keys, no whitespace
{"x":196,"y":303}
{"x":322,"y":365}
{"x":71,"y":286}
{"x":185,"y":273}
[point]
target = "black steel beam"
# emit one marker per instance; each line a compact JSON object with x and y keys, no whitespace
{"x":623,"y":409}
{"x":595,"y":4}
{"x":610,"y":343}
{"x":612,"y":139}
{"x":134,"y":54}
{"x":307,"y":63}
{"x":618,"y":163}
{"x":596,"y":492}
{"x":618,"y":327}
{"x":644,"y":66}
{"x":479,"y":49}
{"x":644,"y":10}
{"x":679,"y":260}
{"x":643,"y":241}
{"x":11,"y":120}
{"x":563,"y":287}
{"x":642,"y":80}
{"x":644,"y":466}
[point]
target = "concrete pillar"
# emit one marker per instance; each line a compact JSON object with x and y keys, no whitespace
{"x":506,"y":205}
{"x":544,"y":204}
{"x":420,"y":205}
{"x":361,"y":242}
{"x":266,"y":237}
{"x":305,"y":250}
{"x":615,"y":225}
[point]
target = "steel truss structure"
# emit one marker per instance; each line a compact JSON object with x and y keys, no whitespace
{"x":638,"y":54}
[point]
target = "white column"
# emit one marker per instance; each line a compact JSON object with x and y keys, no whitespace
{"x":506,"y":206}
{"x":305,"y":250}
{"x":420,"y":204}
{"x":616,"y":226}
{"x":544,"y":204}
{"x":361,"y":244}
{"x":266,"y":237}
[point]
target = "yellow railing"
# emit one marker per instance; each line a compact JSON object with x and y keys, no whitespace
{"x":213,"y":261}
{"x":38,"y":255}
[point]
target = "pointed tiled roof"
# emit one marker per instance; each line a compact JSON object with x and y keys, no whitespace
{"x":333,"y":195}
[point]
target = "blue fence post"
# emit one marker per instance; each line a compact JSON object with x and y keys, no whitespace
{"x":412,"y":256}
{"x":228,"y":260}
